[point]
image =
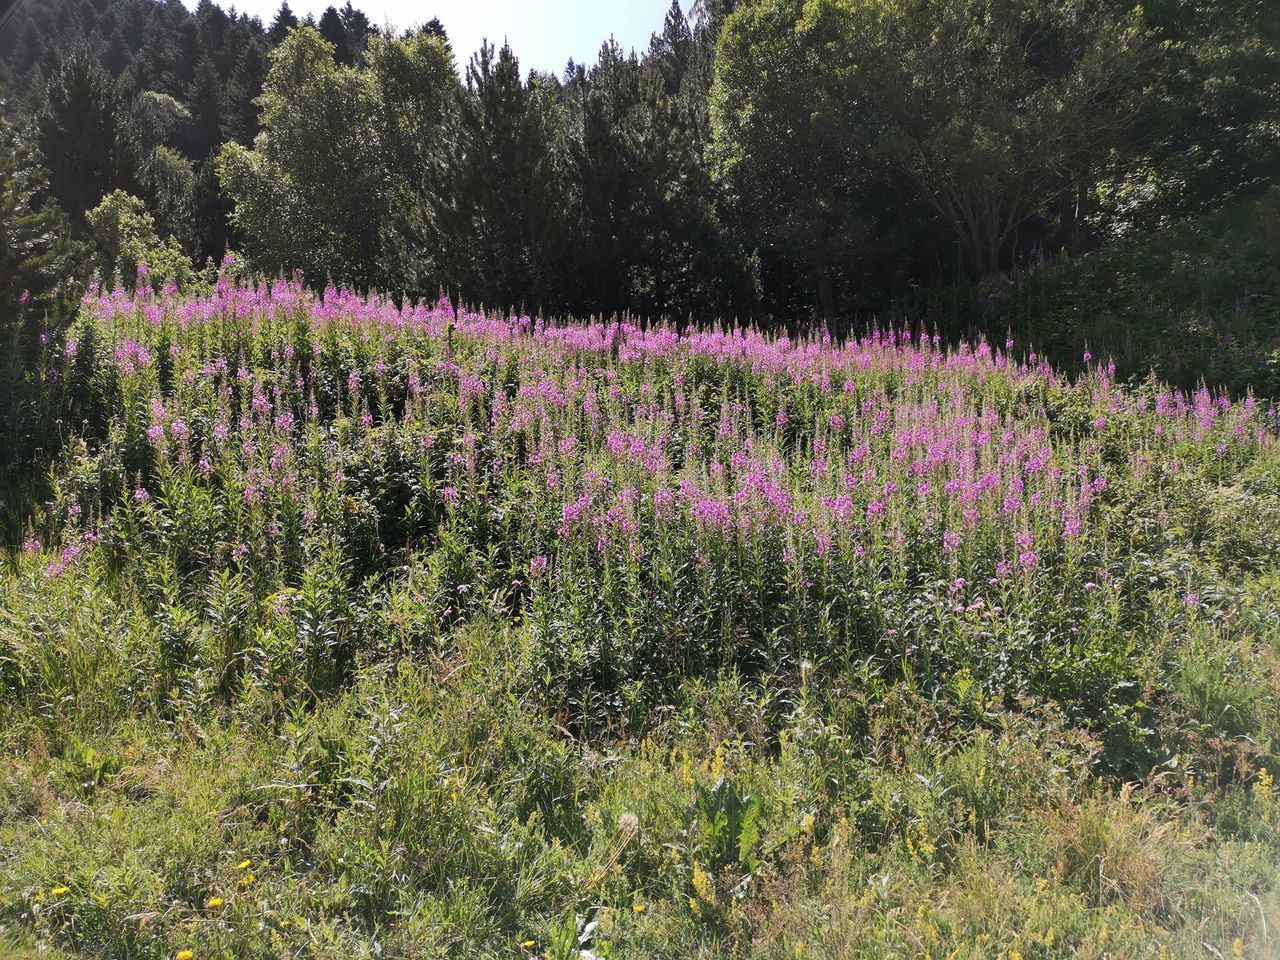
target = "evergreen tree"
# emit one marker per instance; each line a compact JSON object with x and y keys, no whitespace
{"x":240,"y":119}
{"x":284,"y":22}
{"x":435,"y":28}
{"x":211,"y":208}
{"x":87,"y":135}
{"x":514,"y":183}
{"x":36,"y":252}
{"x":38,"y":265}
{"x":671,"y":51}
{"x":333,"y":30}
{"x":214,"y":31}
{"x":358,"y":30}
{"x":204,"y":99}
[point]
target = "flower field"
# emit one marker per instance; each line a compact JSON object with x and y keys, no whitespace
{"x":408,"y":631}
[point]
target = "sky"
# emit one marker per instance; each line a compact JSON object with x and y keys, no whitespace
{"x":544,"y":34}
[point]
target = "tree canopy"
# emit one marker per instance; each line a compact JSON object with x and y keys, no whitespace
{"x":771,"y":160}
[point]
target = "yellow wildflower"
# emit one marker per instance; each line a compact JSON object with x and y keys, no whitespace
{"x":246,"y":880}
{"x":185,"y":955}
{"x":59,"y":891}
{"x":529,"y":944}
{"x":639,"y":908}
{"x":702,"y":884}
{"x":242,"y":865}
{"x":214,"y":903}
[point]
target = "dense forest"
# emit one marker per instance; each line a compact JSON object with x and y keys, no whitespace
{"x":785,"y":161}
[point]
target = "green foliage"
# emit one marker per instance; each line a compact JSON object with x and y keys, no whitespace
{"x":1215,"y":137}
{"x":108,"y":83}
{"x":303,"y":655}
{"x":853,"y":138}
{"x":848,"y":156}
{"x":510,"y":191}
{"x":794,"y":174}
{"x":519,"y":210}
{"x":39,"y":260}
{"x":36,"y":252}
{"x":171,"y":190}
{"x":1198,"y":300}
{"x":87,"y":135}
{"x":729,"y":824}
{"x":419,"y":93}
{"x":325,"y":123}
{"x":128,"y":250}
{"x":991,"y":114}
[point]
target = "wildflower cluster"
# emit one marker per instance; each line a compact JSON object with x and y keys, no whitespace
{"x":652,"y":502}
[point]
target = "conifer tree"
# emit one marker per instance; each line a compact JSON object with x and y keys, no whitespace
{"x":332,"y":29}
{"x":284,"y":22}
{"x":87,"y":135}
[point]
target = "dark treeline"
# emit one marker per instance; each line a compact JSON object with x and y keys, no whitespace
{"x":771,"y":160}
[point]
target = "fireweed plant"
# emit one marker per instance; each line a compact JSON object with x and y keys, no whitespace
{"x":303,"y":490}
{"x":652,"y":503}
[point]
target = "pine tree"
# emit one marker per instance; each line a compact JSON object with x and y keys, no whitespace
{"x":490,"y":132}
{"x":332,"y":29}
{"x":282,"y":24}
{"x":671,"y":51}
{"x":435,"y":28}
{"x":87,"y":135}
{"x":515,"y":183}
{"x":216,"y":31}
{"x":606,"y":98}
{"x":240,"y":121}
{"x":358,"y":30}
{"x":38,"y":260}
{"x":204,"y":99}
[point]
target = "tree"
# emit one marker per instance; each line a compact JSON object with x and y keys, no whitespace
{"x":87,"y":135}
{"x":513,"y":182}
{"x":170,"y":182}
{"x":853,"y":133}
{"x":997,"y":110}
{"x":788,"y":149}
{"x":358,"y":30}
{"x":128,"y":248}
{"x":672,"y":50}
{"x":240,"y":117}
{"x":435,"y":28}
{"x":606,"y":100}
{"x":419,"y":97}
{"x":284,"y":22}
{"x":312,"y":192}
{"x":160,"y":117}
{"x":38,"y":264}
{"x":334,"y":31}
{"x":37,"y":254}
{"x":204,"y":100}
{"x":1215,"y":133}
